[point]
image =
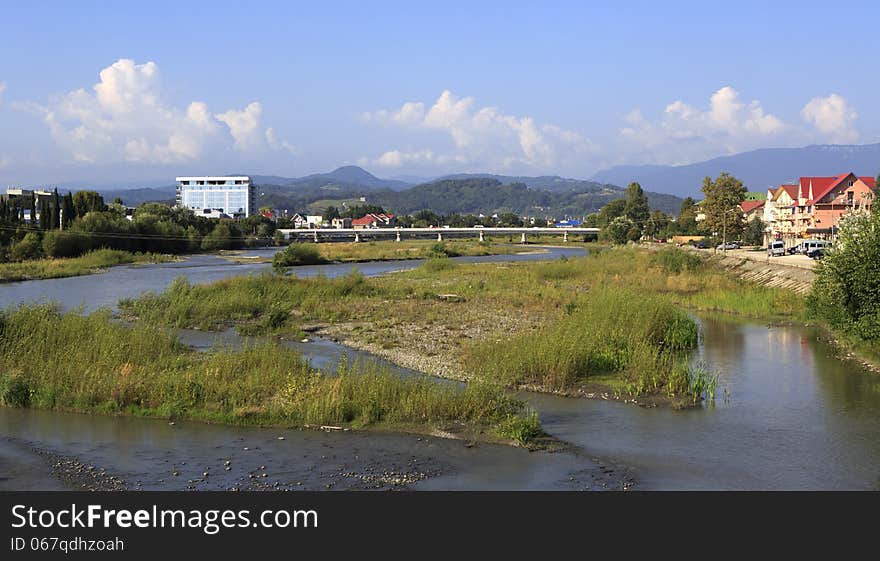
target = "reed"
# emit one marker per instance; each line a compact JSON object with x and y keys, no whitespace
{"x":91,"y":363}
{"x":89,"y":263}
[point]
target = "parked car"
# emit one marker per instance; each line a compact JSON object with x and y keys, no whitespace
{"x":729,"y":245}
{"x":776,"y":248}
{"x":792,"y":250}
{"x":701,"y":245}
{"x":817,"y":253}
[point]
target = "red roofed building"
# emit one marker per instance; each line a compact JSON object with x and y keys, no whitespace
{"x":752,"y":209}
{"x":823,"y":200}
{"x":812,"y":207}
{"x":371,"y":220}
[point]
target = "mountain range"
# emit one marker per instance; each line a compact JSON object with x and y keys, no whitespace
{"x":460,"y":193}
{"x":549,"y":194}
{"x":757,"y":169}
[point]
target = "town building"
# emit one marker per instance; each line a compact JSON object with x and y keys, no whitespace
{"x":812,"y":207}
{"x":371,"y":220}
{"x":219,"y":195}
{"x":340,"y":223}
{"x":307,"y":221}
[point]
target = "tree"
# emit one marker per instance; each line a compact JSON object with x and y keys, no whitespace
{"x":29,"y":247}
{"x":331,"y":213}
{"x":56,"y":210}
{"x":687,"y":217}
{"x":620,"y":230}
{"x":611,"y":211}
{"x":721,"y":206}
{"x":657,"y":224}
{"x":67,"y":213}
{"x":87,"y":201}
{"x":636,"y":205}
{"x":846,"y":292}
{"x":754,"y":232}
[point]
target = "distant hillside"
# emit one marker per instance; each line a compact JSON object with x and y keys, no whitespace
{"x":553,"y":183}
{"x":134,"y":197}
{"x":488,"y":195}
{"x":758,"y":169}
{"x":468,"y":193}
{"x":340,"y":178}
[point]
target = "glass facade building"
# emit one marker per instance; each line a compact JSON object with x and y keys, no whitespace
{"x":233,"y":195}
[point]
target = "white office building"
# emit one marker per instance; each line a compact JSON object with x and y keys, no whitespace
{"x":212,"y":196}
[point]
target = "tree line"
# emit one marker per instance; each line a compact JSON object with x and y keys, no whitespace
{"x":32,"y":227}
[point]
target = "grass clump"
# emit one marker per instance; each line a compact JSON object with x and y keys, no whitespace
{"x":610,"y":331}
{"x":89,"y":263}
{"x":262,"y":303}
{"x":675,"y":260}
{"x":90,"y":363}
{"x":297,"y":254}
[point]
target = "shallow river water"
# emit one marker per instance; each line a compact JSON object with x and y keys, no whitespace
{"x":789,"y":415}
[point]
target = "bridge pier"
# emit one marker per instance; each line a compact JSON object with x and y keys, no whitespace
{"x":439,"y":237}
{"x":523,"y":240}
{"x":398,"y":236}
{"x":357,"y":237}
{"x":565,"y":236}
{"x":481,"y":236}
{"x":316,"y":236}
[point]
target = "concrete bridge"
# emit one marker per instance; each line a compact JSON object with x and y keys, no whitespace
{"x":358,"y":234}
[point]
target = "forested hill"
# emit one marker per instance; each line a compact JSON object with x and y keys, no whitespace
{"x":489,"y":195}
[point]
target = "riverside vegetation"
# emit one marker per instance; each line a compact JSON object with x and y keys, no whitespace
{"x":92,"y":363}
{"x":89,"y":263}
{"x":611,"y":321}
{"x":313,"y":254}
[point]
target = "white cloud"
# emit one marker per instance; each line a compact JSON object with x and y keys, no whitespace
{"x":687,"y":133}
{"x":2,"y":90}
{"x":124,"y":118}
{"x":833,"y":117}
{"x":244,"y":126}
{"x":277,"y":144}
{"x":482,"y":137}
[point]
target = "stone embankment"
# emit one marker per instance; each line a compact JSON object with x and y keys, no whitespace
{"x":789,"y":272}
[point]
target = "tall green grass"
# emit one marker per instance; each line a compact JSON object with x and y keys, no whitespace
{"x":264,"y":302}
{"x":610,"y":331}
{"x":89,"y":363}
{"x":86,"y":264}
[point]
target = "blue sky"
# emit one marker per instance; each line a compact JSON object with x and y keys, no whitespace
{"x":104,"y":91}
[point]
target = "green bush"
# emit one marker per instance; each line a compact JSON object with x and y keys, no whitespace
{"x":58,"y":243}
{"x":29,"y":247}
{"x":846,"y":291}
{"x":297,"y":254}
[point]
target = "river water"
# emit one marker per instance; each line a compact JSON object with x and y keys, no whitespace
{"x":789,"y":416}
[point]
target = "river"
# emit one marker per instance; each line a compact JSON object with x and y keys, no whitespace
{"x":791,"y":416}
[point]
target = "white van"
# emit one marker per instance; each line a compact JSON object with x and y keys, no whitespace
{"x":808,"y":246}
{"x":776,"y":248}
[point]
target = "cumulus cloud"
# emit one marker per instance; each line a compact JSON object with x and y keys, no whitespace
{"x":2,"y":90}
{"x":124,"y":118}
{"x":685,"y":133}
{"x":833,"y":117}
{"x":481,"y":136}
{"x":277,"y":144}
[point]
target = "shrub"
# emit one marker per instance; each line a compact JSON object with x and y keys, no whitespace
{"x":58,"y":243}
{"x":29,"y":247}
{"x":846,"y":291}
{"x":297,"y":254}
